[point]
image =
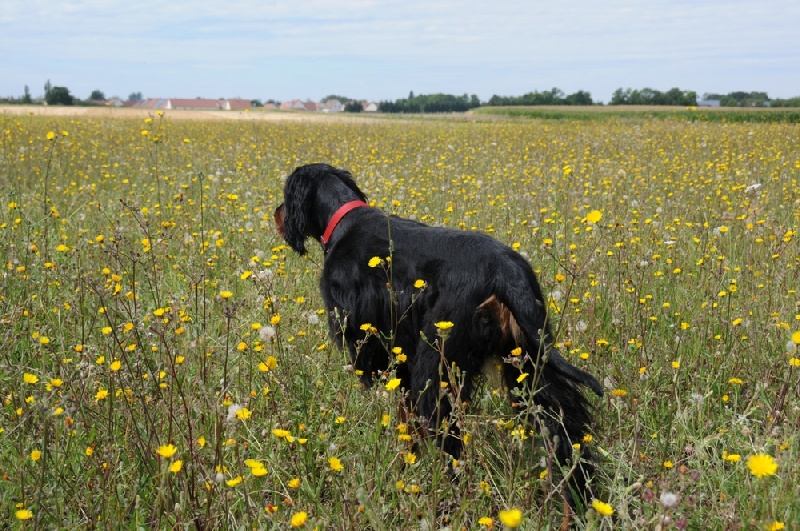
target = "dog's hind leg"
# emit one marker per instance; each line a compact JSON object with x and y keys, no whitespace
{"x":566,"y":412}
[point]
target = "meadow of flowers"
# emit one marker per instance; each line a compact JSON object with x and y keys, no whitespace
{"x":164,"y":358}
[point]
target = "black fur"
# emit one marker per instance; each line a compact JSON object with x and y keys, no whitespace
{"x":485,"y":288}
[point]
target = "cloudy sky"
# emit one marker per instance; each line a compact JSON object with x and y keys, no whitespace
{"x":379,"y":50}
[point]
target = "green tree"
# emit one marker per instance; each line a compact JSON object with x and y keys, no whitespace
{"x":353,"y":106}
{"x":26,"y":98}
{"x":135,"y":96}
{"x":47,"y":88}
{"x":97,"y":95}
{"x":59,"y":96}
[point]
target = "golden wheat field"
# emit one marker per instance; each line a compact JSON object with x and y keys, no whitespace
{"x":165,"y":361}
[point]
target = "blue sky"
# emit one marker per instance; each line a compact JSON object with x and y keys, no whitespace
{"x":380,"y":50}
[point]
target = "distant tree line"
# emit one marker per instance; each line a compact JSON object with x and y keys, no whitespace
{"x":437,"y":103}
{"x":751,"y":99}
{"x":788,"y":102}
{"x":648,"y":96}
{"x":431,"y":103}
{"x":554,"y":96}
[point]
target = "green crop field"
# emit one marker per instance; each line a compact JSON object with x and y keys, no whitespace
{"x":165,"y":363}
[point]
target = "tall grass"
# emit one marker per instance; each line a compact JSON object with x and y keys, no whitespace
{"x":164,"y":358}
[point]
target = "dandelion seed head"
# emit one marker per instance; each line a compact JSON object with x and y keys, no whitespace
{"x":668,"y":499}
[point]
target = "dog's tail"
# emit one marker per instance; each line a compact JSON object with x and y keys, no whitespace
{"x":522,"y":321}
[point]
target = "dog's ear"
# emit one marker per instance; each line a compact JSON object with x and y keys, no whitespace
{"x":346,"y":178}
{"x":311,"y":195}
{"x":297,"y":193}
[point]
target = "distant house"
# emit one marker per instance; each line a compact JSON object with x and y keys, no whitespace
{"x":293,"y":105}
{"x":114,"y":102}
{"x":237,"y":104}
{"x":333,"y":105}
{"x":297,"y":105}
{"x":197,"y":104}
{"x":708,"y":103}
{"x":370,"y":106}
{"x":149,"y":103}
{"x":269,"y":107}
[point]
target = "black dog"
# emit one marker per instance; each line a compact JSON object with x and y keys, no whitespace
{"x":488,"y":291}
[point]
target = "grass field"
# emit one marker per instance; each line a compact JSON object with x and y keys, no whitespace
{"x":164,"y":358}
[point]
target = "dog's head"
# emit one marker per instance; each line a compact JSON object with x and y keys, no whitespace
{"x":311,"y":195}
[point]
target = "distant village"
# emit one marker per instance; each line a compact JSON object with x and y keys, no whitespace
{"x":235,"y":104}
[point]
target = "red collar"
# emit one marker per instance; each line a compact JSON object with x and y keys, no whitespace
{"x":337,"y":217}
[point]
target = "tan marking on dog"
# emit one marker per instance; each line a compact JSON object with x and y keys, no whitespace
{"x":278,"y":217}
{"x":506,"y":320}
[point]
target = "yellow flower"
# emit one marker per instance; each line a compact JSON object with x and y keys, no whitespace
{"x":275,"y":319}
{"x":521,"y":377}
{"x":115,"y":365}
{"x":294,"y":483}
{"x":226,"y":294}
{"x":486,"y":521}
{"x":36,"y":455}
{"x":762,"y":465}
{"x":511,"y":517}
{"x":733,"y":458}
{"x":776,"y":526}
{"x":166,"y":450}
{"x":24,"y":514}
{"x":375,"y":261}
{"x":299,"y":519}
{"x":410,"y":458}
{"x":335,"y":464}
{"x":602,"y":508}
{"x":234,"y":481}
{"x":101,"y":394}
{"x":419,"y":283}
{"x":176,"y":466}
{"x":243,"y":414}
{"x":268,"y":365}
{"x":594,"y":216}
{"x":259,"y":471}
{"x":279,"y":433}
{"x":29,"y":378}
{"x":392,"y":384}
{"x":443,"y":325}
{"x":796,"y":337}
